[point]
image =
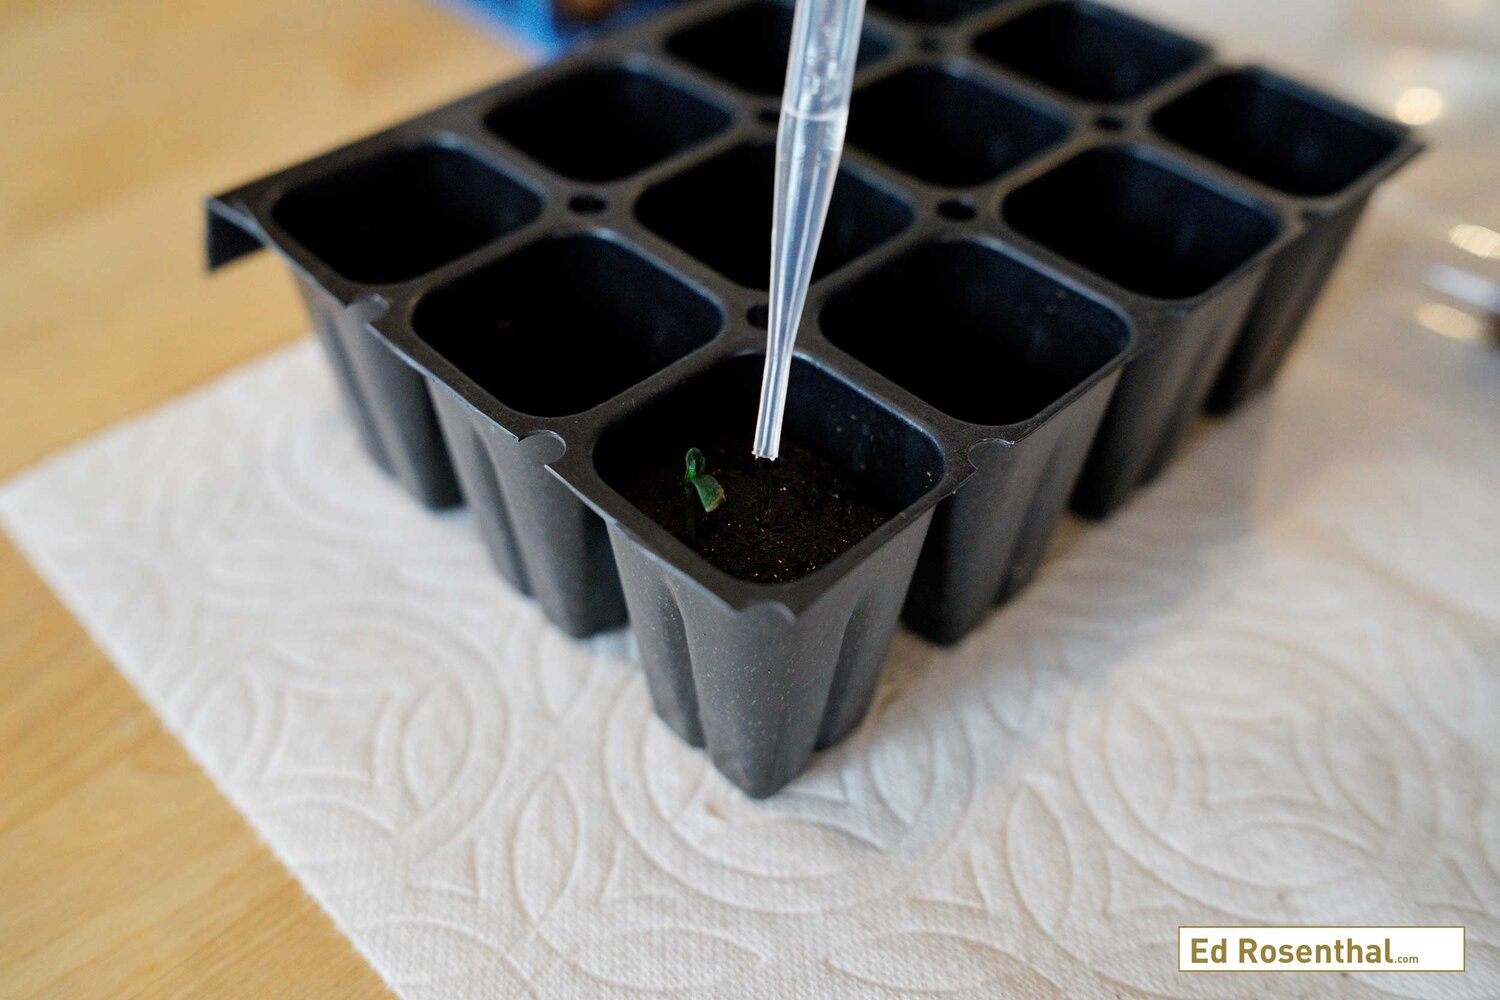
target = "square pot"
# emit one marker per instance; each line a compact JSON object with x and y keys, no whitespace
{"x":552,"y":330}
{"x":747,"y":47}
{"x":946,"y":126}
{"x":374,"y":216}
{"x":619,"y":121}
{"x":719,"y":212}
{"x":1322,"y":155}
{"x":761,"y":674}
{"x":1194,"y":253}
{"x":1089,"y":52}
{"x":1023,"y":365}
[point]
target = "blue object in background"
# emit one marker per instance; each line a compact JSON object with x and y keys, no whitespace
{"x":538,"y":26}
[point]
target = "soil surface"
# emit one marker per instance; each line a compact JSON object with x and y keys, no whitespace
{"x":779,"y":520}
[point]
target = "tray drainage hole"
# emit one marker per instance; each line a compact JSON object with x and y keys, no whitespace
{"x":587,"y":204}
{"x":1110,"y":123}
{"x":957,"y":209}
{"x":758,"y":316}
{"x":769,"y":116}
{"x":1313,"y":216}
{"x":930,"y":43}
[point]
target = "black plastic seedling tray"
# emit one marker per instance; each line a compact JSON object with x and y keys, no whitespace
{"x":1056,"y":230}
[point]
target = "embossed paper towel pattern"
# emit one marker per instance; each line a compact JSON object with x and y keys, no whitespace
{"x":1266,"y":693}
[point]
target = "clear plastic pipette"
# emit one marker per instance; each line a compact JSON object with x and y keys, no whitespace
{"x":809,"y":140}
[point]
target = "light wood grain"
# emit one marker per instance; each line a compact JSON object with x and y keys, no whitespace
{"x":123,"y":872}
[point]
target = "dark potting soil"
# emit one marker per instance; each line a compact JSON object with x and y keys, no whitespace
{"x":779,"y":520}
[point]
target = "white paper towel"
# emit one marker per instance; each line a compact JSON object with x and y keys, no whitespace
{"x":1268,"y":692}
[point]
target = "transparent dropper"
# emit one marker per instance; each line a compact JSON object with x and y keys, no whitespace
{"x":809,"y":140}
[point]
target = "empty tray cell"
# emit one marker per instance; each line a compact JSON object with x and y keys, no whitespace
{"x":562,"y":325}
{"x":1277,"y":133}
{"x":1088,"y":51}
{"x":748,"y":46}
{"x":604,"y":123}
{"x":1000,"y":341}
{"x":404,"y":212}
{"x":720,"y":212}
{"x":847,"y":466}
{"x":947,"y":129}
{"x":1146,"y":228}
{"x":933,"y":11}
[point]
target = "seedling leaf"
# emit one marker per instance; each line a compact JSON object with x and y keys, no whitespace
{"x":710,"y":493}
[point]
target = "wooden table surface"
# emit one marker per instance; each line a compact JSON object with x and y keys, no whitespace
{"x":123,"y":872}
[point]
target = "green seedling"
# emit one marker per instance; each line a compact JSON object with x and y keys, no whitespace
{"x":697,"y":479}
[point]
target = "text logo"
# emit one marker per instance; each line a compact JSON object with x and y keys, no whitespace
{"x":1320,"y":949}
